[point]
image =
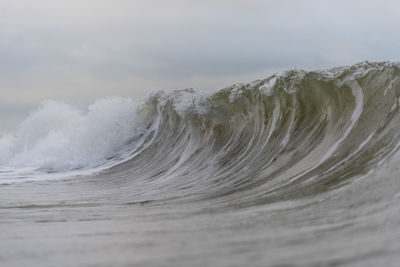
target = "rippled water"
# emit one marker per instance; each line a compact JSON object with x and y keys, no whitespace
{"x":299,"y":169}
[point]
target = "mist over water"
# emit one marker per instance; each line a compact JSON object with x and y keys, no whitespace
{"x":300,"y":169}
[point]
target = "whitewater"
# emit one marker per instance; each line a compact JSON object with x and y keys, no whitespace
{"x":299,"y":169}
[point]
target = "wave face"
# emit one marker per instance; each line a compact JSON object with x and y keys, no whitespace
{"x":308,"y":151}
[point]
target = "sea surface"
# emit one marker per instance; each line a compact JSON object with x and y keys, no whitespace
{"x":299,"y":169}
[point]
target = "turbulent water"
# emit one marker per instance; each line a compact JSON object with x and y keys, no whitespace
{"x":299,"y":169}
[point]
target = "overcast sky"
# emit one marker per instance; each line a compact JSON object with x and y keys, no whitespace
{"x":81,"y":50}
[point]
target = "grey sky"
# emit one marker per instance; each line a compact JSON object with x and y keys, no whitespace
{"x":78,"y":51}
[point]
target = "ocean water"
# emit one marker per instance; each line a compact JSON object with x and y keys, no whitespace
{"x":299,"y":169}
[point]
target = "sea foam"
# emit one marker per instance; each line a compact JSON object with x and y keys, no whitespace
{"x":60,"y":137}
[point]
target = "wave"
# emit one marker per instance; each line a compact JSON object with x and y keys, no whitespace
{"x":293,"y":134}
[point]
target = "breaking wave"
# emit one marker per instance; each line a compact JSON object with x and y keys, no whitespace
{"x":293,"y":134}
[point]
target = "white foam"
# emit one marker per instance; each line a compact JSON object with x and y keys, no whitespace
{"x":62,"y":138}
{"x":268,"y":88}
{"x":192,"y":102}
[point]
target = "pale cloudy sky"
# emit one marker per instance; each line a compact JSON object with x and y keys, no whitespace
{"x":81,"y":50}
